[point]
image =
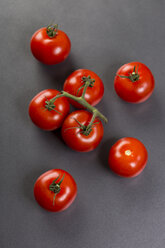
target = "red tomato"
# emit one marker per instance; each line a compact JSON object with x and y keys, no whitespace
{"x":128,"y":157}
{"x":46,"y":115}
{"x":55,"y":190}
{"x":75,"y":134}
{"x":74,"y":85}
{"x":50,"y":47}
{"x":134,"y":82}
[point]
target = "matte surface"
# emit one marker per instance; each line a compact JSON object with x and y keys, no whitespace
{"x":109,"y":211}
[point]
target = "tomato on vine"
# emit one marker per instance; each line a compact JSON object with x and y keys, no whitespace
{"x":76,"y":82}
{"x":128,"y":157}
{"x":81,"y":131}
{"x":55,"y":190}
{"x":50,"y":45}
{"x":134,"y":82}
{"x":46,"y":114}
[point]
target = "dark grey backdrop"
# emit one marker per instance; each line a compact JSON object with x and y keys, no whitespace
{"x":109,"y":211}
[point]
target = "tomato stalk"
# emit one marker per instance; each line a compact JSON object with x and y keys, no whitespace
{"x":55,"y":187}
{"x":83,"y":128}
{"x":83,"y":102}
{"x":52,"y":30}
{"x":88,"y":128}
{"x":134,"y":76}
{"x":88,"y":82}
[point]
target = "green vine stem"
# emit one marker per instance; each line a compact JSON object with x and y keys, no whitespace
{"x":92,"y":120}
{"x":81,"y":100}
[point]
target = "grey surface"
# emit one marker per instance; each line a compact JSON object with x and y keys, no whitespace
{"x":109,"y":211}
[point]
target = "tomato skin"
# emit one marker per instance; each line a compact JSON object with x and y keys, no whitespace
{"x":44,"y":196}
{"x":43,"y":118}
{"x":93,"y":94}
{"x":128,"y":157}
{"x":138,"y":91}
{"x":48,"y":50}
{"x":78,"y":141}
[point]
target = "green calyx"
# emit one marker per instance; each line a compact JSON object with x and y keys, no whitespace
{"x":85,"y":129}
{"x":134,"y":76}
{"x":52,"y":30}
{"x":55,"y":187}
{"x":87,"y":82}
{"x":49,"y":105}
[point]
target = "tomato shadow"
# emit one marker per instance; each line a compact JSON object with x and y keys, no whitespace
{"x":146,"y":114}
{"x":22,"y":104}
{"x":57,"y":134}
{"x":51,"y":139}
{"x":104,"y":151}
{"x":57,"y":74}
{"x":71,"y":224}
{"x":74,"y":228}
{"x":28,"y":183}
{"x":110,"y":73}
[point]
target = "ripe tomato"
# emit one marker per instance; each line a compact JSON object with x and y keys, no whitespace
{"x":74,"y":85}
{"x":128,"y":157}
{"x":50,"y":45}
{"x":55,"y":190}
{"x":44,"y":113}
{"x":75,"y":132}
{"x":134,"y":82}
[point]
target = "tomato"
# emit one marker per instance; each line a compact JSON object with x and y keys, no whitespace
{"x":134,"y":82}
{"x":75,"y":132}
{"x":55,"y":190}
{"x":44,"y":113}
{"x":50,"y":46}
{"x":74,"y":85}
{"x":128,"y":157}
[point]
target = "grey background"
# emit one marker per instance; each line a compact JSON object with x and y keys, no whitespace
{"x":109,"y":211}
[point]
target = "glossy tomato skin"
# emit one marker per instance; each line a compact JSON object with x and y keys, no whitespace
{"x":44,"y":196}
{"x":93,"y":94}
{"x":43,"y":118}
{"x":128,"y":157}
{"x":138,"y":91}
{"x":48,"y":50}
{"x":76,"y":140}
